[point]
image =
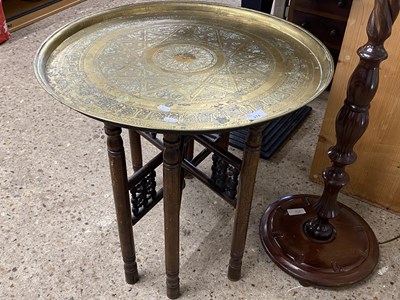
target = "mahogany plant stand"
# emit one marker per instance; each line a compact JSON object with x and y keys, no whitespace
{"x":316,"y":239}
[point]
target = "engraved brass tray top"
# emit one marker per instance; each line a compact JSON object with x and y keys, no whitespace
{"x":174,"y":67}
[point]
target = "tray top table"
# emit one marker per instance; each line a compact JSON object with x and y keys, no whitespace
{"x":182,"y":69}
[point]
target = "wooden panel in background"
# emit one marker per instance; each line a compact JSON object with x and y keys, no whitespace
{"x":375,"y":176}
{"x":21,"y":13}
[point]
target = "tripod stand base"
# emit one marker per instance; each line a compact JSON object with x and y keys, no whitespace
{"x":348,"y":257}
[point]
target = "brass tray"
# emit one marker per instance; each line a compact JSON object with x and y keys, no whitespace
{"x":183,"y":67}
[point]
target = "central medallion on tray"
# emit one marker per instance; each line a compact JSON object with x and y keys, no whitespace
{"x":182,"y":63}
{"x":184,"y":58}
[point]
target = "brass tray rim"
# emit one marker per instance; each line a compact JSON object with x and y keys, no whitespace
{"x":57,"y":37}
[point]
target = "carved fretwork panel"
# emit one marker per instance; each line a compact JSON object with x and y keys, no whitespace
{"x":143,"y":193}
{"x":224,"y":176}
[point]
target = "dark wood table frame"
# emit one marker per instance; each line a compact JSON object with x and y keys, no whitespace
{"x":174,"y":158}
{"x":259,"y":100}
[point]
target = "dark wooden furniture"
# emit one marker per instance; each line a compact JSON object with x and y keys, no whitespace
{"x":314,"y":238}
{"x":20,"y":13}
{"x":260,"y":5}
{"x":326,"y":19}
{"x":375,"y":177}
{"x":223,"y":181}
{"x":186,"y":70}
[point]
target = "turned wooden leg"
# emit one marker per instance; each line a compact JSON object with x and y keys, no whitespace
{"x":224,"y":140}
{"x":136,"y":150}
{"x":248,"y":171}
{"x":116,"y":156}
{"x":172,"y":197}
{"x":189,"y":152}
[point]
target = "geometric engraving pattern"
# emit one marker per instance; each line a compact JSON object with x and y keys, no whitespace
{"x":181,"y":73}
{"x":231,"y":68}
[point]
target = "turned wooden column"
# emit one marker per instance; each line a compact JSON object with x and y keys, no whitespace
{"x":172,"y":201}
{"x":248,"y":172}
{"x":315,"y":238}
{"x":116,"y":156}
{"x":136,"y":149}
{"x":352,"y":119}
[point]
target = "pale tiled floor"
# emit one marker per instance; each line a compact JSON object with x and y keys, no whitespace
{"x":58,"y":235}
